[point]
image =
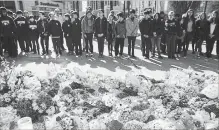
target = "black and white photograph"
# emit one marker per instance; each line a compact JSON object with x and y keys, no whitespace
{"x":109,"y":65}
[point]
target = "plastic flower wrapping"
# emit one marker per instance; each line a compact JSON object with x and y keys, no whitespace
{"x":69,"y":98}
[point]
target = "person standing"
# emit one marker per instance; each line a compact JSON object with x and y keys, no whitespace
{"x":42,"y":25}
{"x":189,"y":28}
{"x":7,"y":33}
{"x":100,"y":31}
{"x":87,"y":27}
{"x":213,"y":33}
{"x":33,"y":33}
{"x":163,"y":42}
{"x":76,"y":33}
{"x":201,"y":32}
{"x":132,"y":27}
{"x":59,"y":17}
{"x":67,"y":29}
{"x":120,"y":33}
{"x":22,"y":31}
{"x":180,"y":35}
{"x":158,"y":29}
{"x":146,"y":29}
{"x":171,"y":32}
{"x":110,"y":33}
{"x":55,"y":30}
{"x":28,"y":40}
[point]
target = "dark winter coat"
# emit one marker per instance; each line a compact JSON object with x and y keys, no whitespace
{"x":201,"y":28}
{"x":110,"y":31}
{"x":216,"y":30}
{"x":76,"y":29}
{"x":54,"y":28}
{"x":145,"y":26}
{"x":171,"y":27}
{"x":42,"y":27}
{"x":7,"y":26}
{"x":33,"y":29}
{"x":120,"y":29}
{"x":99,"y":29}
{"x":67,"y":28}
{"x":185,"y":24}
{"x":158,"y":27}
{"x":22,"y":26}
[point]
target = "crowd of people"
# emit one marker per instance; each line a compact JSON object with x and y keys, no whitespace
{"x":171,"y":34}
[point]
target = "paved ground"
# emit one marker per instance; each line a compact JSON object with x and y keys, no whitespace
{"x":119,"y":67}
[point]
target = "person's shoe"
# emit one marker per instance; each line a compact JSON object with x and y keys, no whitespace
{"x":179,"y":55}
{"x":160,"y":57}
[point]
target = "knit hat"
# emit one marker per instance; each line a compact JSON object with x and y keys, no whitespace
{"x":10,"y":12}
{"x":3,"y":8}
{"x":146,"y":12}
{"x":31,"y":16}
{"x":101,"y":10}
{"x":120,"y":14}
{"x":67,"y":15}
{"x":132,"y":11}
{"x":19,"y":12}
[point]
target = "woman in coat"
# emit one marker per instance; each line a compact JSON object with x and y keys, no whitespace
{"x":110,"y":33}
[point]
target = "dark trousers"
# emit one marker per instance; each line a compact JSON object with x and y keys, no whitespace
{"x":57,"y":45}
{"x":11,"y":45}
{"x":188,"y":39}
{"x":89,"y":39}
{"x":209,"y":46}
{"x":29,"y":45}
{"x":170,"y":39}
{"x":35,"y":43}
{"x":198,"y":46}
{"x":217,"y":47}
{"x":21,"y":40}
{"x":163,"y":44}
{"x":78,"y":48}
{"x":100,"y":41}
{"x":119,"y":44}
{"x":146,"y":46}
{"x":156,"y":41}
{"x":45,"y":44}
{"x":110,"y":46}
{"x":131,"y":45}
{"x":62,"y":40}
{"x":69,"y":43}
{"x":178,"y":47}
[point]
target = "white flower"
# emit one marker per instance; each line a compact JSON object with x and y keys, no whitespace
{"x":7,"y":99}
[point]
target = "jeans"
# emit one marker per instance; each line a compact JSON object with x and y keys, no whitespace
{"x":57,"y":45}
{"x":146,"y":46}
{"x":110,"y":46}
{"x":89,"y":39}
{"x":119,"y":43}
{"x":156,"y":41}
{"x":78,"y":48}
{"x":100,"y":41}
{"x":209,"y":46}
{"x":21,"y":40}
{"x":44,"y":41}
{"x":35,"y":43}
{"x":188,"y":40}
{"x":69,"y":43}
{"x":171,"y":39}
{"x":131,"y":45}
{"x":178,"y":46}
{"x":11,"y":45}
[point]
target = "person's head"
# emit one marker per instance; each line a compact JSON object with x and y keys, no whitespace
{"x":146,"y":14}
{"x":214,"y":14}
{"x":150,"y":13}
{"x":14,"y":15}
{"x":171,"y":15}
{"x":67,"y":17}
{"x":42,"y":15}
{"x":112,"y":12}
{"x":100,"y":13}
{"x":157,"y":16}
{"x":31,"y":18}
{"x":110,"y":17}
{"x":190,"y":13}
{"x":26,"y":13}
{"x":120,"y":16}
{"x":177,"y":16}
{"x":203,"y":16}
{"x":52,"y":15}
{"x":89,"y":8}
{"x":162,"y":14}
{"x":75,"y":14}
{"x":19,"y":13}
{"x":10,"y":13}
{"x":3,"y":11}
{"x":132,"y":13}
{"x":88,"y":14}
{"x":57,"y":11}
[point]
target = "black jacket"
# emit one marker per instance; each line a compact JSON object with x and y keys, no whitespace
{"x":67,"y":28}
{"x":185,"y":24}
{"x":110,"y":31}
{"x":171,"y":26}
{"x":22,"y":26}
{"x":76,"y":29}
{"x":146,"y":27}
{"x":201,"y":27}
{"x":7,"y":26}
{"x":33,"y":29}
{"x":216,"y":30}
{"x":54,"y":28}
{"x":42,"y":27}
{"x":158,"y":26}
{"x":102,"y":29}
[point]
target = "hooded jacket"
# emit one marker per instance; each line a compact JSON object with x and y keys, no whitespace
{"x":33,"y":29}
{"x":42,"y":26}
{"x":103,"y":28}
{"x":7,"y":26}
{"x":22,"y":26}
{"x":158,"y":26}
{"x":67,"y":28}
{"x":110,"y":30}
{"x":132,"y":27}
{"x":120,"y":29}
{"x":87,"y":25}
{"x":76,"y":29}
{"x":146,"y":27}
{"x":54,"y":28}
